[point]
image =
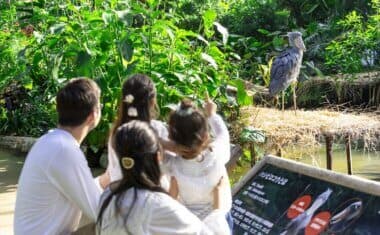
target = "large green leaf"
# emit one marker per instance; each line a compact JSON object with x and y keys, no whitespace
{"x":126,"y":48}
{"x":252,"y":135}
{"x":208,"y":19}
{"x":242,"y":96}
{"x":221,"y":29}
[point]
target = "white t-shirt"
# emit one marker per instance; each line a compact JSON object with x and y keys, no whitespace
{"x":197,"y":177}
{"x":156,"y":213}
{"x":113,"y":162}
{"x":55,"y":186}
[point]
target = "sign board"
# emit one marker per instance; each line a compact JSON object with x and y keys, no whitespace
{"x":281,"y":196}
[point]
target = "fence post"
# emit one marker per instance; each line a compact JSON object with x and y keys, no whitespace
{"x":329,"y":142}
{"x":348,"y":154}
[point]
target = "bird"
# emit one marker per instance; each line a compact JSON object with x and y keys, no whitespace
{"x":286,"y":68}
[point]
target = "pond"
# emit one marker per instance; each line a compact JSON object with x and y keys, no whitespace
{"x":364,"y":164}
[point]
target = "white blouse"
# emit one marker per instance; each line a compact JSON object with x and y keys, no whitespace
{"x":197,"y":177}
{"x":113,"y":162}
{"x":156,"y":213}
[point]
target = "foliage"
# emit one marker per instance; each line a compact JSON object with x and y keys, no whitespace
{"x":259,"y":26}
{"x":358,"y":46}
{"x":44,"y":44}
{"x":252,"y":135}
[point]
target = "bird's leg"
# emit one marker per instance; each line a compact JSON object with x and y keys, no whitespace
{"x":282,"y":100}
{"x":294,"y":85}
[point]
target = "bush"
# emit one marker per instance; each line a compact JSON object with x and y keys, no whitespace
{"x":44,"y":44}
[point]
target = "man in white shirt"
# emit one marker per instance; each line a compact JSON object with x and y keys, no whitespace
{"x":56,"y":185}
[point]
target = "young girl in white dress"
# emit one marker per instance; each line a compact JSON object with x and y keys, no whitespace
{"x":137,"y":204}
{"x":197,"y":171}
{"x":138,"y":102}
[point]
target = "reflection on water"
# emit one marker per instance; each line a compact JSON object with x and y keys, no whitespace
{"x":364,"y":164}
{"x":10,"y":168}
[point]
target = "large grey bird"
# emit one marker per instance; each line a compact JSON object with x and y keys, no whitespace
{"x":286,"y":68}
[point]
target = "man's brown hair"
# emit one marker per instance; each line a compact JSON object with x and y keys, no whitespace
{"x":76,"y":100}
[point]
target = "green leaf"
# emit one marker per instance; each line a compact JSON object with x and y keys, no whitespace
{"x":56,"y":65}
{"x":125,"y":16}
{"x":252,"y":135}
{"x":28,"y":84}
{"x":221,"y":29}
{"x":208,"y":19}
{"x":83,"y":59}
{"x":210,"y":60}
{"x":57,"y":28}
{"x":107,"y":17}
{"x":39,"y":37}
{"x":126,"y":48}
{"x":263,"y":31}
{"x":242,"y":96}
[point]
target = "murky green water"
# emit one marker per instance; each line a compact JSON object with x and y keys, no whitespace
{"x":364,"y":164}
{"x":10,"y":168}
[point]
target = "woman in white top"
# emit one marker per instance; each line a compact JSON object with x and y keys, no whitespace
{"x":137,"y":204}
{"x":138,"y":102}
{"x":197,"y":171}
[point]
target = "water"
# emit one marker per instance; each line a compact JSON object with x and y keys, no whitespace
{"x":364,"y":164}
{"x":10,"y":168}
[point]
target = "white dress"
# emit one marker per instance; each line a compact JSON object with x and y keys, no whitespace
{"x":155,"y":213}
{"x":197,"y":177}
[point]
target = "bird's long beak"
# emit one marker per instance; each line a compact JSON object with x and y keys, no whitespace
{"x":303,"y":46}
{"x":300,"y":44}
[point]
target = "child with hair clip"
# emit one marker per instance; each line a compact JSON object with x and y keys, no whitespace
{"x":137,"y":204}
{"x":195,"y":172}
{"x":138,"y":102}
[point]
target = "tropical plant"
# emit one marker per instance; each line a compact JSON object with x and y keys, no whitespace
{"x":47,"y":43}
{"x":358,"y":46}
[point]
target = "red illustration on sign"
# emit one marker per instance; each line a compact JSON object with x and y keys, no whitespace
{"x":318,"y":223}
{"x":299,"y":206}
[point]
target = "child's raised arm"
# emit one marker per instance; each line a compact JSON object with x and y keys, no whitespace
{"x":221,"y":142}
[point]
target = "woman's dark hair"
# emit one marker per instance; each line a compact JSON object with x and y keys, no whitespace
{"x":76,"y":100}
{"x":136,"y":140}
{"x":187,"y":125}
{"x":142,"y":92}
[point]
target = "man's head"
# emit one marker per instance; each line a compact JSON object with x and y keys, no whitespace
{"x":78,"y":103}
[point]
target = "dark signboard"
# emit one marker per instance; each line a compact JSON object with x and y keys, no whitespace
{"x":284,"y":197}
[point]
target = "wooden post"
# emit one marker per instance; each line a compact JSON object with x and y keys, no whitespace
{"x":279,"y":152}
{"x":329,"y":142}
{"x":253,"y":154}
{"x":348,"y":154}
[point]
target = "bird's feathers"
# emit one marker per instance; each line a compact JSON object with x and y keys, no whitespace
{"x":285,"y":69}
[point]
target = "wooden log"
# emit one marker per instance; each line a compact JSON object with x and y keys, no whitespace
{"x":329,"y":142}
{"x":348,"y":154}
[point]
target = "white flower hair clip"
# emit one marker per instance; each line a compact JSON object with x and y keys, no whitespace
{"x":127,"y":162}
{"x":132,"y":112}
{"x":129,"y":99}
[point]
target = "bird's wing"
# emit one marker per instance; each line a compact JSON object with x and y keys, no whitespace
{"x":282,"y":68}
